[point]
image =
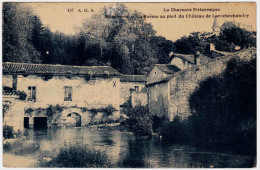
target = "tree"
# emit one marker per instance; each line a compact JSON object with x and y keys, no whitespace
{"x":17,"y":34}
{"x":239,"y":37}
{"x":162,"y":48}
{"x":127,"y":43}
{"x":224,"y":107}
{"x":196,"y":41}
{"x":122,"y":42}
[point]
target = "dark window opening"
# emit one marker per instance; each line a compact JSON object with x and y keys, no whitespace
{"x":31,"y":93}
{"x":40,"y":123}
{"x":67,"y":93}
{"x":26,"y":122}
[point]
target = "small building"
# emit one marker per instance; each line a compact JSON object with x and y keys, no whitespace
{"x":133,"y":90}
{"x":57,"y":93}
{"x":159,"y":88}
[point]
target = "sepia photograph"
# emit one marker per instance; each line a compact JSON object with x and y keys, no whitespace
{"x":129,"y":85}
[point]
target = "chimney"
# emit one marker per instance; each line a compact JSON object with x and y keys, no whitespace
{"x":197,"y":58}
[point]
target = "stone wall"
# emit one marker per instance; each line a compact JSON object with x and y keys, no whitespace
{"x":125,"y":90}
{"x":184,"y":82}
{"x":159,"y":99}
{"x":93,"y":93}
{"x":60,"y":116}
{"x":138,"y":98}
{"x":15,"y":113}
{"x":88,"y":96}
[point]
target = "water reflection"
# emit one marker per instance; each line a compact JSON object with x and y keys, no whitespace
{"x":132,"y":151}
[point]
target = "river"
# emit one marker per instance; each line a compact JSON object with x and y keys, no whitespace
{"x":120,"y":145}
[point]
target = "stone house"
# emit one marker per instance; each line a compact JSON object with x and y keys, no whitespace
{"x":133,"y":90}
{"x":60,"y":94}
{"x":159,"y":88}
{"x":184,"y":62}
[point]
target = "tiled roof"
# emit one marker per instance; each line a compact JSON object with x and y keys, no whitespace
{"x":167,"y":68}
{"x":25,"y":68}
{"x":133,"y":78}
{"x":190,"y":58}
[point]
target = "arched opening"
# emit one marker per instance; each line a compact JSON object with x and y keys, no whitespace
{"x":74,"y":119}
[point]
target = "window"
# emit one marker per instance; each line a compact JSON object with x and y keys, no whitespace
{"x":31,"y":93}
{"x":67,"y":93}
{"x":137,"y":88}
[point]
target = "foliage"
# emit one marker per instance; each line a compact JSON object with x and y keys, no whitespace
{"x":109,"y":110}
{"x":128,"y":44}
{"x":196,"y":41}
{"x":227,"y":109}
{"x":29,"y":111}
{"x":22,"y":95}
{"x":226,"y":41}
{"x":158,"y":122}
{"x":162,"y":47}
{"x":238,"y":37}
{"x":139,"y":120}
{"x":81,"y":156}
{"x":83,"y":109}
{"x":17,"y":34}
{"x":176,"y":131}
{"x":51,"y":110}
{"x":121,"y":42}
{"x":6,"y":107}
{"x":8,"y":132}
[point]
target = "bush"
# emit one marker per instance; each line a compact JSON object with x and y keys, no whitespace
{"x":77,"y":155}
{"x":109,"y":110}
{"x":176,"y":131}
{"x":8,"y":132}
{"x":139,"y":120}
{"x":51,"y":110}
{"x":22,"y":95}
{"x":158,"y":122}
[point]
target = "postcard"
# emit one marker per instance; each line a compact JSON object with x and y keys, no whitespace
{"x":129,"y":85}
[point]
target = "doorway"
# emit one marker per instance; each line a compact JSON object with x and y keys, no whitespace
{"x":26,"y":122}
{"x":40,"y":122}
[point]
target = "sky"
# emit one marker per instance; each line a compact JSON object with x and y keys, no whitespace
{"x":57,"y":17}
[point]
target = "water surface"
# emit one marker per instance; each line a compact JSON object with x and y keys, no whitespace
{"x":125,"y":147}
